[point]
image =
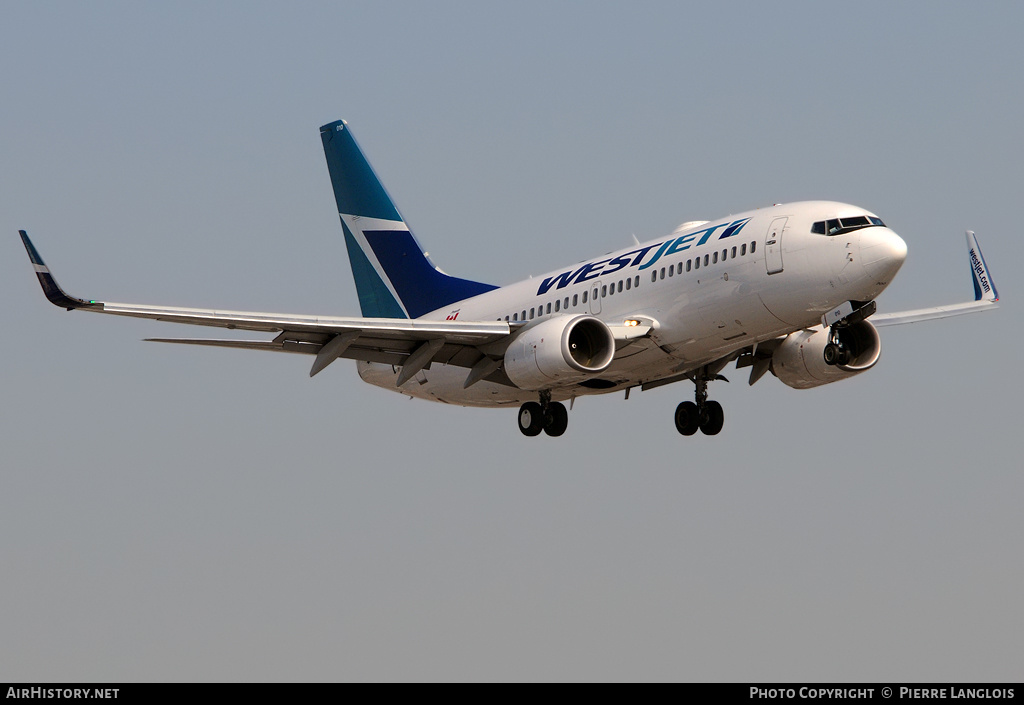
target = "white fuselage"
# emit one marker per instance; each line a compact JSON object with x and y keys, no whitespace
{"x":708,"y":290}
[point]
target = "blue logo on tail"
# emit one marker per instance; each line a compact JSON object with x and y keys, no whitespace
{"x":393,"y":276}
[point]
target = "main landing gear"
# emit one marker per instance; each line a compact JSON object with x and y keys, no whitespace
{"x":548,"y":416}
{"x":702,"y":414}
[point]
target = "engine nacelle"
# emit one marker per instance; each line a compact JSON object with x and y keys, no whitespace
{"x":800,"y":362}
{"x":559,"y":351}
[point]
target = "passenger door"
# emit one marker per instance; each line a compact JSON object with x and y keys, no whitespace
{"x":773,"y":245}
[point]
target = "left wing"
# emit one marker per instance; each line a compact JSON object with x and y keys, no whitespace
{"x":986,"y":297}
{"x":412,"y":344}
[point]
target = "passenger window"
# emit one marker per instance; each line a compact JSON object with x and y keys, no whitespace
{"x":565,"y":304}
{"x":637,"y":282}
{"x":725,"y":255}
{"x":604,"y":291}
{"x":753,"y":247}
{"x":575,"y":299}
{"x":714,"y":257}
{"x":549,"y":307}
{"x":696,"y":263}
{"x":628,"y":282}
{"x":611,"y":290}
{"x":524,"y":314}
{"x":558,"y":306}
{"x":743,"y":250}
{"x":662,"y":272}
{"x":584,"y":297}
{"x":595,"y":294}
{"x":688,"y":265}
{"x":531,"y":314}
{"x":706,"y":259}
{"x":620,"y":286}
{"x":515,"y":316}
{"x":734,"y":253}
{"x":506,"y":319}
{"x":654,"y":276}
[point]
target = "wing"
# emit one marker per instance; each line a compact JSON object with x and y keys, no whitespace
{"x":986,"y":298}
{"x":412,"y":344}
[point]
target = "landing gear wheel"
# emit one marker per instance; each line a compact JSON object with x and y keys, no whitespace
{"x":531,"y":418}
{"x":832,"y":354}
{"x":712,"y":419}
{"x":556,"y":420}
{"x":687,"y":418}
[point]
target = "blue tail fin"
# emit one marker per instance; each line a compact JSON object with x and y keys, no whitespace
{"x":394,"y":277}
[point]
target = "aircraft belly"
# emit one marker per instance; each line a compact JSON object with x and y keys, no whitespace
{"x":443,"y":383}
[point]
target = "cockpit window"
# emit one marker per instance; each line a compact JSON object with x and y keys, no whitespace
{"x":836,"y":226}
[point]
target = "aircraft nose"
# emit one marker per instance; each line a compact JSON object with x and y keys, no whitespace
{"x":882,"y":253}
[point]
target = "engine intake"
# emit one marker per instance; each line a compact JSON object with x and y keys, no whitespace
{"x":559,"y":351}
{"x":800,"y":361}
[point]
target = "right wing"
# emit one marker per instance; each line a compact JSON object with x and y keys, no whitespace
{"x":986,"y":298}
{"x":412,"y":344}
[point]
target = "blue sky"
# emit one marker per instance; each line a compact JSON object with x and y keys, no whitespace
{"x":195,"y":514}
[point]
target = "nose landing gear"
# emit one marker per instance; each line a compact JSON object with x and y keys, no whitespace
{"x":835,"y":352}
{"x":702,"y":414}
{"x":548,"y":416}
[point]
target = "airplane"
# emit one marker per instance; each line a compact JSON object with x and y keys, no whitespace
{"x":788,"y":289}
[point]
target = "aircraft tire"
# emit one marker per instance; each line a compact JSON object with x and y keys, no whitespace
{"x":557,"y":419}
{"x":714,"y":419}
{"x":531,"y":418}
{"x":687,"y":418}
{"x":831,"y":354}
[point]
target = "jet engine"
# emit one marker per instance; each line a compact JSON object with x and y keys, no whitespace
{"x":800,"y":361}
{"x":559,"y":351}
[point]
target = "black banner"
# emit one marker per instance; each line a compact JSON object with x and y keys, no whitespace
{"x":879,"y":692}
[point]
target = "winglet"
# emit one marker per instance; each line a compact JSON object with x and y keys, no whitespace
{"x":52,"y":290}
{"x":984,"y":287}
